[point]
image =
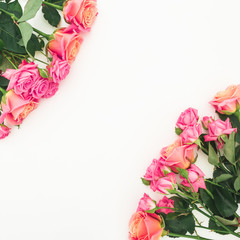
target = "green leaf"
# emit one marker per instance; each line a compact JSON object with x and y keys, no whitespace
{"x":237,"y":153}
{"x":178,"y":131}
{"x":10,"y":34}
{"x":5,"y":65}
{"x":224,"y":201}
{"x":183,"y":172}
{"x":3,"y":82}
{"x":212,"y":155}
{"x":181,"y":224}
{"x":30,"y":9}
{"x":15,"y":8}
{"x":237,"y":184}
{"x":51,"y":15}
{"x":57,"y":2}
{"x":229,"y":148}
{"x":212,"y":225}
{"x":146,"y":182}
{"x":180,"y":203}
{"x":26,"y":31}
{"x":223,"y":177}
{"x":207,"y":199}
{"x":227,"y":222}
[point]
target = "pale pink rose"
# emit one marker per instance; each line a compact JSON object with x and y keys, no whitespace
{"x":145,"y":226}
{"x":164,"y":184}
{"x":191,"y":134}
{"x":218,"y":128}
{"x":4,"y":131}
{"x":227,"y":101}
{"x":195,"y":176}
{"x":52,"y":89}
{"x":66,"y":43}
{"x":15,"y":109}
{"x":178,"y":155}
{"x":165,"y":202}
{"x":205,"y":121}
{"x":156,"y":170}
{"x":23,"y":78}
{"x":58,"y":69}
{"x":146,"y":203}
{"x":39,"y":88}
{"x":187,"y":118}
{"x":82,"y":13}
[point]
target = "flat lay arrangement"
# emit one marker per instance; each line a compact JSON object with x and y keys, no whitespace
{"x":183,"y":189}
{"x":23,"y":83}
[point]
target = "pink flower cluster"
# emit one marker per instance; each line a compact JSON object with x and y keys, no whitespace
{"x":27,"y":85}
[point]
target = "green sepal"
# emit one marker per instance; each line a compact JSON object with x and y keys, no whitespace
{"x":146,"y":182}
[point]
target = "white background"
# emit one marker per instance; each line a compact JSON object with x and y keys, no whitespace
{"x":72,"y":171}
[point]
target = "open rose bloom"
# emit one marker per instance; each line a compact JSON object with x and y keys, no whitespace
{"x":82,"y":13}
{"x":145,"y":226}
{"x":227,"y":101}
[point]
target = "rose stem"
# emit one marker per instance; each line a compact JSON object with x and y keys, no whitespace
{"x":53,"y":5}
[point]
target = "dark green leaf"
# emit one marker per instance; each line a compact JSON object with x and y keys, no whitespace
{"x":237,"y":153}
{"x":212,"y":155}
{"x":51,"y":15}
{"x":146,"y":182}
{"x":3,"y":81}
{"x":223,"y":177}
{"x":10,"y":34}
{"x":212,"y":225}
{"x":1,"y":44}
{"x":181,"y":224}
{"x":5,"y":65}
{"x":15,"y":8}
{"x":30,"y":9}
{"x":229,"y":148}
{"x":57,"y":2}
{"x":180,"y":203}
{"x":224,"y":201}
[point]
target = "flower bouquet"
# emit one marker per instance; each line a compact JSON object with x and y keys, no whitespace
{"x":22,"y":82}
{"x":181,"y":184}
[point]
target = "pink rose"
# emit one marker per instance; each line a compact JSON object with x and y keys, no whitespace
{"x":82,"y":13}
{"x":15,"y":109}
{"x":58,"y":69}
{"x":156,"y":170}
{"x":227,"y":101}
{"x":4,"y":131}
{"x":146,"y":203}
{"x":205,"y":121}
{"x":164,"y":184}
{"x":218,"y":128}
{"x":39,"y":88}
{"x":195,"y":176}
{"x":178,"y":155}
{"x":23,"y":78}
{"x":165,"y":202}
{"x":145,"y":226}
{"x":191,"y":134}
{"x":187,"y":118}
{"x":52,"y":89}
{"x":66,"y":43}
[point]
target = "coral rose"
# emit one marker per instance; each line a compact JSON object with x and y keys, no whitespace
{"x":66,"y":43}
{"x":146,"y":203}
{"x":82,"y":13}
{"x":178,"y":155}
{"x":145,"y":226}
{"x":187,"y":118}
{"x":165,"y":202}
{"x":227,"y":101}
{"x":195,"y":176}
{"x":15,"y":109}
